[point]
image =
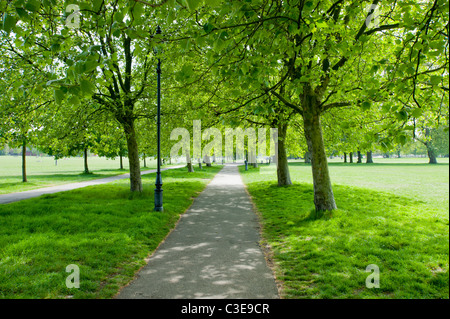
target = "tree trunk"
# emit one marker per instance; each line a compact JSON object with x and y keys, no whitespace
{"x":133,"y":157}
{"x":24,"y":161}
{"x":121,"y":161}
{"x":283,"y":175}
{"x":345,"y":157}
{"x":323,"y":192}
{"x":351,"y":157}
{"x":86,"y":168}
{"x":307,"y":158}
{"x":190,"y":167}
{"x":431,"y":153}
{"x":207,"y":161}
{"x":430,"y":149}
{"x":359,"y":158}
{"x":145,"y":162}
{"x":369,"y":159}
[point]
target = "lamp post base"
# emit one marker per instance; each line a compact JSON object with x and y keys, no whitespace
{"x":159,"y":200}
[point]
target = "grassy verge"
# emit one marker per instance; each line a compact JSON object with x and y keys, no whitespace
{"x":103,"y":229}
{"x":42,"y":171}
{"x":326,"y":256}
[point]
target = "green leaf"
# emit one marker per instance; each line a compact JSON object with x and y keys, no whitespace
{"x":185,"y":44}
{"x":33,"y":5}
{"x":118,"y":16}
{"x":94,"y":48}
{"x":58,"y":95}
{"x":74,"y":100}
{"x":417,"y":112}
{"x":138,"y":10}
{"x":321,"y":24}
{"x":170,"y":16}
{"x":90,"y":66}
{"x":47,"y":4}
{"x":435,"y":79}
{"x":87,"y":88}
{"x":218,"y":44}
{"x":365,"y":105}
{"x":193,"y":4}
{"x":9,"y":22}
{"x":214,"y":3}
{"x":257,"y":110}
{"x":187,"y":70}
{"x":386,"y":107}
{"x":402,"y":115}
{"x":96,"y":5}
{"x":23,"y":14}
{"x":385,"y":144}
{"x":401,"y":139}
{"x":208,"y":27}
{"x":201,"y":41}
{"x":55,"y":47}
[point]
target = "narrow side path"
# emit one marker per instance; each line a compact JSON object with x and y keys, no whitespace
{"x":15,"y":197}
{"x":213,"y":252}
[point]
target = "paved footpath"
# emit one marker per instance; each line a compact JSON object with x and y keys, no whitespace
{"x":213,"y":252}
{"x":15,"y":197}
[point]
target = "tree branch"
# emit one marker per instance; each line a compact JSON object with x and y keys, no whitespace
{"x":361,"y":31}
{"x":383,"y":28}
{"x":287,"y":103}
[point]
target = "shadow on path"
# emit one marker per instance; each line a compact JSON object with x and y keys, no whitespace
{"x":213,"y":252}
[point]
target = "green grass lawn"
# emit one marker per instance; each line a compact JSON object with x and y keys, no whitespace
{"x":393,"y":214}
{"x":104,"y":229}
{"x":42,"y":171}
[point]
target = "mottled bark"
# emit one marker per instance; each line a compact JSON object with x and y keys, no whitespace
{"x":307,"y":158}
{"x":431,"y":153}
{"x":190,"y":167}
{"x":323,"y":192}
{"x":283,"y":175}
{"x":369,"y":159}
{"x":133,"y":157}
{"x":85,"y":156}
{"x":430,"y":149}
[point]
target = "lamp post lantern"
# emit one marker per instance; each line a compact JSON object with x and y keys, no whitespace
{"x":158,"y":183}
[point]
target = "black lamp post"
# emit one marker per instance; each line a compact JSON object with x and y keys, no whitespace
{"x":158,"y":183}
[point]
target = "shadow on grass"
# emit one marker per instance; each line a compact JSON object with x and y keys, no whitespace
{"x":325,"y":256}
{"x":104,"y":229}
{"x":299,"y":197}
